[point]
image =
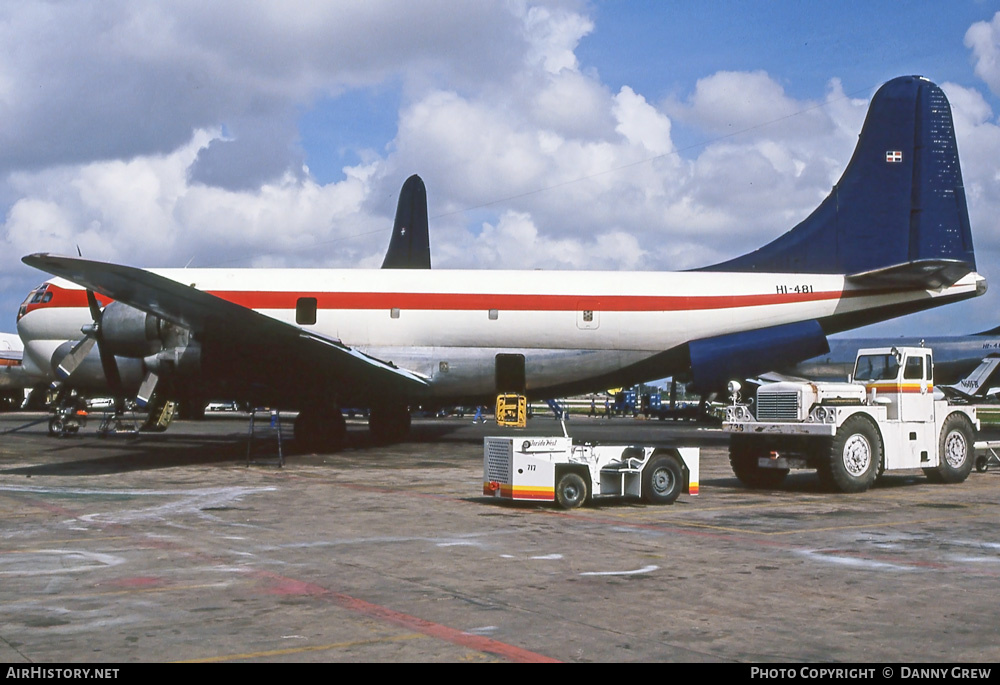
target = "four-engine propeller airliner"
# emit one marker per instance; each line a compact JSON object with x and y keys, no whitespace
{"x":892,"y":238}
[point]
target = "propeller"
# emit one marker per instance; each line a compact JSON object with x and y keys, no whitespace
{"x":92,"y":335}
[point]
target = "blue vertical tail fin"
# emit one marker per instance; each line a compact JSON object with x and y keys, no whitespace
{"x":898,"y":211}
{"x":409,"y":246}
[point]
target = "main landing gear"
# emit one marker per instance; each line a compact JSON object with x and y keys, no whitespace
{"x":319,"y":429}
{"x":323,"y":429}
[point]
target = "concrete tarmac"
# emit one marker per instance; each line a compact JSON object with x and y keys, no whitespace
{"x":170,"y":548}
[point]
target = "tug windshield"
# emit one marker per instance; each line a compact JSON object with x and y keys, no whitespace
{"x":876,"y":367}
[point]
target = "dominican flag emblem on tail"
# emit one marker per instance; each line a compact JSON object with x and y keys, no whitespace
{"x":894,"y":156}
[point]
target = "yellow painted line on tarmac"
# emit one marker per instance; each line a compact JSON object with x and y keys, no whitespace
{"x":672,"y":510}
{"x":301,"y":650}
{"x":856,"y":526}
{"x":130,"y":591}
{"x":164,"y":588}
{"x":65,"y":541}
{"x":813,"y":509}
{"x":887,"y":524}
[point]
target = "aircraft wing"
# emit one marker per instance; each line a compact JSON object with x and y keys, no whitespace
{"x":206,"y":314}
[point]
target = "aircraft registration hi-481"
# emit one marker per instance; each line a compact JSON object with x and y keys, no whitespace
{"x":892,"y":238}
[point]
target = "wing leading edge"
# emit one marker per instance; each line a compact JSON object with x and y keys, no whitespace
{"x":209,"y":316}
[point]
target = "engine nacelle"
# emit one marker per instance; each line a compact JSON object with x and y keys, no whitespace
{"x":182,"y":360}
{"x":128,"y":332}
{"x":89,"y":374}
{"x":714,"y":361}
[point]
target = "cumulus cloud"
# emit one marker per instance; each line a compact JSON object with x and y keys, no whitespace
{"x":82,"y":80}
{"x":147,"y":211}
{"x":978,"y":137}
{"x":516,"y":243}
{"x":983,"y":39}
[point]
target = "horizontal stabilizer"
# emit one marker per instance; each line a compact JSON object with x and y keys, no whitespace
{"x":931,"y":274}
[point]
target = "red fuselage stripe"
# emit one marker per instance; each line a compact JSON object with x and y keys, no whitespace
{"x":477,"y":301}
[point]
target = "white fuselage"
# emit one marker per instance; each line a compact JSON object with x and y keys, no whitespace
{"x":447,"y":326}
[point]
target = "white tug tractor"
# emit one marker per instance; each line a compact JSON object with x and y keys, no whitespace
{"x":885,"y":418}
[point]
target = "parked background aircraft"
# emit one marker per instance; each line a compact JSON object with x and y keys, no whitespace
{"x":955,"y":356}
{"x":317,"y":339}
{"x":13,"y":379}
{"x":976,"y":386}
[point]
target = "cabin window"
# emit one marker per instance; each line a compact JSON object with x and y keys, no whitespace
{"x":494,"y":314}
{"x":394,"y":313}
{"x":588,"y":315}
{"x":305,"y":311}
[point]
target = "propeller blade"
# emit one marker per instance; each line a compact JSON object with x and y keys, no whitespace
{"x":147,"y":389}
{"x":74,"y":357}
{"x":95,"y":306}
{"x":111,"y":374}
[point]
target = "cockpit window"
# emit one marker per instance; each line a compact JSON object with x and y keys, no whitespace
{"x":39,"y":295}
{"x":876,"y":367}
{"x":36,"y":295}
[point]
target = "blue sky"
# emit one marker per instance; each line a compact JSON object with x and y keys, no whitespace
{"x":803,"y":44}
{"x":563,"y":134}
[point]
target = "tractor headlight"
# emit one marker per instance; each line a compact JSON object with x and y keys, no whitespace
{"x":821,"y":414}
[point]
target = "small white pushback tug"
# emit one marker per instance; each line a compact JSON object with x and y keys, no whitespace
{"x":551,"y":469}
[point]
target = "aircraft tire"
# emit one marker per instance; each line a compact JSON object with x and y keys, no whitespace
{"x":955,"y":451}
{"x":743,"y":454}
{"x":662,"y":480}
{"x":571,"y":490}
{"x":854,"y":458}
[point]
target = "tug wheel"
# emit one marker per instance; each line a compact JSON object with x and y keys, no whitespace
{"x":571,"y":491}
{"x":662,"y":480}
